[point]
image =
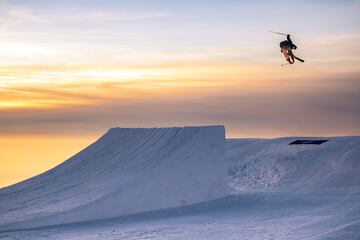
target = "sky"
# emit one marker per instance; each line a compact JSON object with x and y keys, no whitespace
{"x":70,"y":70}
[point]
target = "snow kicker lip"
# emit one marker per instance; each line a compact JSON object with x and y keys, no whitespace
{"x":127,"y":171}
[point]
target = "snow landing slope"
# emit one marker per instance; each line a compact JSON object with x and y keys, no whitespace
{"x":272,"y":165}
{"x":126,"y":171}
{"x":325,"y":178}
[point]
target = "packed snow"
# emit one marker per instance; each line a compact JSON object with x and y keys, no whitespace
{"x":276,"y":190}
{"x":126,"y":171}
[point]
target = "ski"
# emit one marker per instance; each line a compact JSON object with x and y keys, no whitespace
{"x":279,"y":33}
{"x":299,"y":59}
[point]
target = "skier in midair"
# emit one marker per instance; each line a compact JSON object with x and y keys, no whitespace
{"x":286,"y":48}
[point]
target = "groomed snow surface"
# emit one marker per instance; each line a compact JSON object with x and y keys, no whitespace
{"x":126,"y":171}
{"x":191,"y":183}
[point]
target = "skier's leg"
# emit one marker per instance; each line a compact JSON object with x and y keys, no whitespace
{"x":284,"y":52}
{"x":291,"y":57}
{"x":291,"y":60}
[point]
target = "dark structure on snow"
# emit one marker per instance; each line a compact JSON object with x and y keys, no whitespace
{"x":308,"y":141}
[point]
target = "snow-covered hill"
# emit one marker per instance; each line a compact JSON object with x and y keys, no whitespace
{"x":126,"y":171}
{"x":277,"y":190}
{"x":324,"y":177}
{"x":262,"y":165}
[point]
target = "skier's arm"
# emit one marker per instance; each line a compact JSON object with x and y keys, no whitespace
{"x":288,"y":38}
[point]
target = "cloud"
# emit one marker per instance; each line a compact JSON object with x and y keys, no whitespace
{"x":318,"y":109}
{"x":24,"y":15}
{"x":15,"y":14}
{"x":74,"y":67}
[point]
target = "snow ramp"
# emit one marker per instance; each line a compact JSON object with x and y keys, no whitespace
{"x":126,"y":171}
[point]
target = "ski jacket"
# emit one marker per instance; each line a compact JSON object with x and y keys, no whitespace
{"x":288,"y":44}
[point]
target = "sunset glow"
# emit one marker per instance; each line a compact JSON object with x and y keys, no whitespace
{"x":76,"y":69}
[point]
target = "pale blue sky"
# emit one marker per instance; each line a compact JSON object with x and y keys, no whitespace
{"x":180,"y":25}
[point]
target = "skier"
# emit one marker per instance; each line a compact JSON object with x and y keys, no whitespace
{"x":286,"y":48}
